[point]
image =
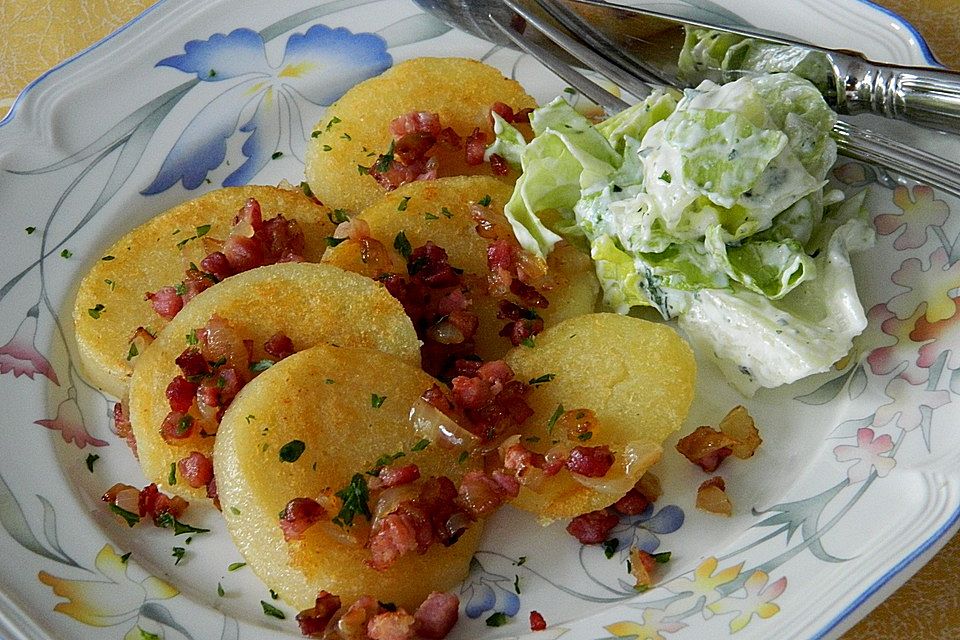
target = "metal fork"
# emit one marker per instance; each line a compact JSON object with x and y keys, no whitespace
{"x":602,"y":56}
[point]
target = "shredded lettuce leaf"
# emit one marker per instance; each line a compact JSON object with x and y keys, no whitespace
{"x":709,"y":208}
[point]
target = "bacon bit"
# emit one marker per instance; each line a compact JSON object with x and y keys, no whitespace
{"x":252,"y":243}
{"x":706,"y":448}
{"x":537,"y":623}
{"x":146,"y":502}
{"x":180,"y":393}
{"x":353,"y":623}
{"x":218,"y":265}
{"x":192,"y":363}
{"x":450,"y":138}
{"x":712,"y":497}
{"x":391,"y":625}
{"x":196,"y":469}
{"x":122,"y":426}
{"x":415,"y":122}
{"x":166,"y":302}
{"x":480,"y":494}
{"x":593,"y":527}
{"x":279,"y":345}
{"x":641,"y":567}
{"x":498,"y":164}
{"x":632,"y":504}
{"x":437,"y":615}
{"x":176,"y":425}
{"x":397,"y":476}
{"x":298,"y":516}
{"x":314,"y":621}
{"x":405,"y":530}
{"x":739,"y":425}
{"x":489,"y":404}
{"x":592,"y":462}
{"x":475,"y":147}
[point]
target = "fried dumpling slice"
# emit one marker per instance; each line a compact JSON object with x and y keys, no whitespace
{"x":634,"y":378}
{"x":355,"y":130}
{"x":443,"y":212}
{"x":344,"y":409}
{"x":110,"y":304}
{"x":308,"y":303}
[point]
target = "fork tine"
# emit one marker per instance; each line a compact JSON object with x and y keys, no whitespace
{"x":585,"y":54}
{"x":610,"y":103}
{"x":593,"y":37}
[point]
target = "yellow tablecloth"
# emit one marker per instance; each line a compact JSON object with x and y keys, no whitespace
{"x":40,"y":33}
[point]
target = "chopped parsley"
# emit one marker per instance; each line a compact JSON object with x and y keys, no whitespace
{"x":91,"y":458}
{"x":132,"y":352}
{"x":528,"y":342}
{"x":446,"y":212}
{"x":261,"y":365}
{"x":178,"y":553}
{"x":421,"y":445}
{"x":108,"y":258}
{"x":498,"y":619}
{"x":327,"y":147}
{"x":146,"y":635}
{"x":662,"y":557}
{"x":610,"y":547}
{"x":337,"y":216}
{"x":236,"y":565}
{"x":384,"y":461}
{"x":463,"y":457}
{"x":583,"y":437}
{"x":403,"y":203}
{"x":522,"y":560}
{"x":430,"y":216}
{"x":110,"y":283}
{"x":166,"y":520}
{"x":250,"y":418}
{"x":220,"y":591}
{"x":402,"y":245}
{"x":356,"y":498}
{"x":273,"y":595}
{"x":66,"y":253}
{"x":129,"y":516}
{"x":377,"y":401}
{"x":30,"y":230}
{"x":235,"y":511}
{"x":292,"y":451}
{"x":276,"y":155}
{"x":485,"y":201}
{"x":328,"y":381}
{"x":545,"y":378}
{"x":334,"y":120}
{"x":384,"y":161}
{"x":272,"y":611}
{"x":332,"y":242}
{"x":552,"y":422}
{"x":172,"y":476}
{"x":126,"y":557}
{"x":516,"y":584}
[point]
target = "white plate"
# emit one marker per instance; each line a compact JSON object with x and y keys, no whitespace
{"x":855,"y":485}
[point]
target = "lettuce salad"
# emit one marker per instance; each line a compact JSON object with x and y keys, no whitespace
{"x":710,"y":207}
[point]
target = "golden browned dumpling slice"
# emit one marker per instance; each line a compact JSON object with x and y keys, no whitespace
{"x":110,"y":304}
{"x":308,"y":303}
{"x":356,"y":129}
{"x":441,"y":211}
{"x":637,"y":377}
{"x":344,"y":409}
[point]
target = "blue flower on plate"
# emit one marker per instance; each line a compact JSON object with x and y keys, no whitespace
{"x":643,"y":530}
{"x":485,"y":591}
{"x":317,"y":66}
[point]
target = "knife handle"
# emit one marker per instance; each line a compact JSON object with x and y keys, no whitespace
{"x":926,"y":97}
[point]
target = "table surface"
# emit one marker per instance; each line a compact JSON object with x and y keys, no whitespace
{"x":41,"y":33}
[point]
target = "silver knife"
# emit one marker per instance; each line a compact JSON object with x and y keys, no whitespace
{"x":850,"y":82}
